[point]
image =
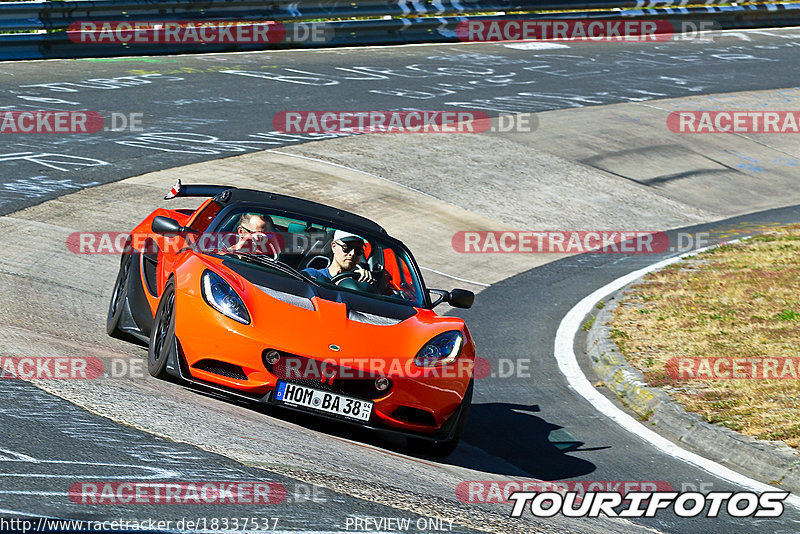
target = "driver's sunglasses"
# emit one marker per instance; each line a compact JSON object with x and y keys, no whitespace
{"x":359,"y":249}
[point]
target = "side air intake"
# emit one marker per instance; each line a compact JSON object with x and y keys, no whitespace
{"x":221,"y":368}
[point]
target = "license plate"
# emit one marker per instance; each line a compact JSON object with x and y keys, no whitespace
{"x":323,"y":401}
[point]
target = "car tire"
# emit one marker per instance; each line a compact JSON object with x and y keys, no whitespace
{"x":119,"y":298}
{"x":163,"y":343}
{"x":446,"y":447}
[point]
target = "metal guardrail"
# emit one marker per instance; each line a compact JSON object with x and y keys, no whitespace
{"x":393,"y":22}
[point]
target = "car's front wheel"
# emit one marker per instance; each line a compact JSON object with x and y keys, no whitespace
{"x":446,"y":447}
{"x":163,"y":342}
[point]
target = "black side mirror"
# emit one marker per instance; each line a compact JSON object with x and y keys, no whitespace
{"x":461,"y":298}
{"x":457,"y":298}
{"x":166,"y":226}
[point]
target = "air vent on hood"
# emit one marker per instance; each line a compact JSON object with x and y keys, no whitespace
{"x":370,"y":318}
{"x":288,"y":298}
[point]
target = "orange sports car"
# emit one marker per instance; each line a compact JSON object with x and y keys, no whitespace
{"x":299,"y":305}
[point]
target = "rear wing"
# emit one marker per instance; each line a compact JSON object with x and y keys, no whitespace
{"x":180,"y":190}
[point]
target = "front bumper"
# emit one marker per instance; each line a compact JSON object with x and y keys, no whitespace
{"x":416,"y":403}
{"x":178,"y":368}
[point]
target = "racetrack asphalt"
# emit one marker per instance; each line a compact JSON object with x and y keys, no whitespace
{"x":50,"y":444}
{"x":519,"y":427}
{"x":196,"y":108}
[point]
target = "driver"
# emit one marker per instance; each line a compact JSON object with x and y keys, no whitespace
{"x":346,"y":248}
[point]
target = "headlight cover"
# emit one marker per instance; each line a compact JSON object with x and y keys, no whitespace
{"x":221,"y":296}
{"x":444,"y":349}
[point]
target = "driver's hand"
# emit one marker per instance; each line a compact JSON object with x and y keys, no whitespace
{"x":364,"y":275}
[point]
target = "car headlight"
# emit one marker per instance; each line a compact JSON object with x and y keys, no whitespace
{"x":220,"y":295}
{"x":441,"y":350}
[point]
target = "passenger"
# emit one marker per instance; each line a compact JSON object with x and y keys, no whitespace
{"x":256,"y":234}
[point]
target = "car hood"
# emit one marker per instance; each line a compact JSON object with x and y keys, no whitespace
{"x":296,"y":317}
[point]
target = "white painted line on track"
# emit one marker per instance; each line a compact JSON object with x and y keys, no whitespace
{"x":15,"y":456}
{"x":535,"y":45}
{"x":318,"y":160}
{"x":568,"y":365}
{"x":455,"y":277}
{"x":36,"y":493}
{"x":17,"y":512}
{"x":18,"y":457}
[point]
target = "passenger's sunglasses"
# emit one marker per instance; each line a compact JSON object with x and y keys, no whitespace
{"x":255,"y":234}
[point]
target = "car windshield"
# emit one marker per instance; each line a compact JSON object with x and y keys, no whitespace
{"x":320,"y":254}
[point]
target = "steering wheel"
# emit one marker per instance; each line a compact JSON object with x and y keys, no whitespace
{"x":349,"y":280}
{"x":343,"y":275}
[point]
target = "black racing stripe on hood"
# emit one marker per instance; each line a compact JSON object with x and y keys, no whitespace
{"x":363,"y":304}
{"x":298,"y":288}
{"x":270,"y":279}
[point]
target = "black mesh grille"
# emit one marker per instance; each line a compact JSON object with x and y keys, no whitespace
{"x":414,"y":415}
{"x":325,"y":376}
{"x":221,"y":368}
{"x":312,"y":383}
